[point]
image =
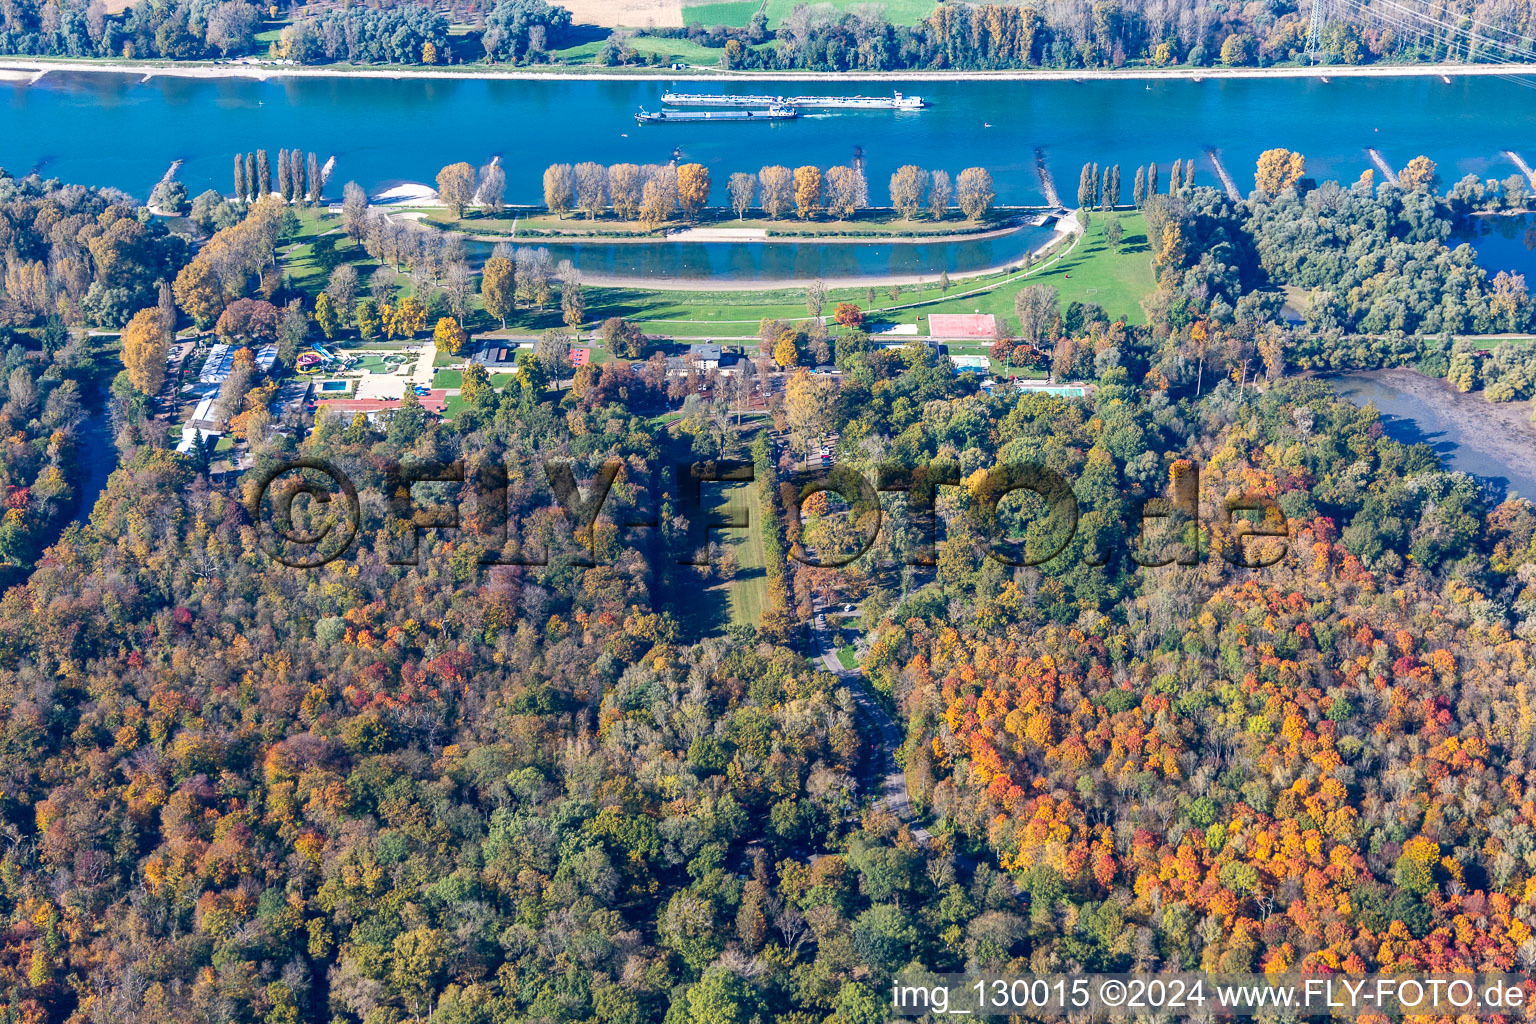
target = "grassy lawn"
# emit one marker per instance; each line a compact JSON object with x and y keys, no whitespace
{"x":1092,"y":273}
{"x":452,"y":379}
{"x":310,"y":254}
{"x":748,"y":591}
{"x":847,"y":657}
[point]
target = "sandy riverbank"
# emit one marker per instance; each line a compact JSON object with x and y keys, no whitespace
{"x":695,"y":73}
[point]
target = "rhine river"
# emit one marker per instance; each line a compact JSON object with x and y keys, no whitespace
{"x":110,"y":129}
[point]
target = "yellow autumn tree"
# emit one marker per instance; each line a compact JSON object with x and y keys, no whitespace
{"x":498,"y":287}
{"x":1278,"y":170}
{"x":785,"y":352}
{"x":448,"y":336}
{"x":408,"y":318}
{"x":692,"y":189}
{"x":807,"y":191}
{"x":1172,"y":254}
{"x":146,"y":342}
{"x":1421,"y":175}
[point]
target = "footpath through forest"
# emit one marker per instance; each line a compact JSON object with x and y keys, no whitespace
{"x":881,"y":774}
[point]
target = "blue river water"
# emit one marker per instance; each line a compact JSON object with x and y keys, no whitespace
{"x":109,"y":129}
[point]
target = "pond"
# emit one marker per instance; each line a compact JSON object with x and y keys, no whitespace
{"x":780,"y":261}
{"x":1492,"y":441}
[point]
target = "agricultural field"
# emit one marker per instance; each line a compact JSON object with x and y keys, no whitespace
{"x":739,"y":12}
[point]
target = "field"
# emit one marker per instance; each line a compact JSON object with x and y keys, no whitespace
{"x":739,"y":12}
{"x":630,"y":13}
{"x":738,"y":601}
{"x":681,"y":50}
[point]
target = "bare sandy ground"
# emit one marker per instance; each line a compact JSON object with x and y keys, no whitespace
{"x":628,"y":13}
{"x":718,"y":235}
{"x":705,"y":73}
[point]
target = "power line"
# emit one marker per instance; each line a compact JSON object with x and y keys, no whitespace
{"x":1522,"y":48}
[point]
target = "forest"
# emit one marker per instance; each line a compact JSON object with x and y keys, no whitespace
{"x":388,"y":789}
{"x":373,"y":792}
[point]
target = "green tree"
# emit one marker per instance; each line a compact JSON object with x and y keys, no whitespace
{"x":326,"y":317}
{"x":720,"y":997}
{"x":368,"y":323}
{"x":475,"y":388}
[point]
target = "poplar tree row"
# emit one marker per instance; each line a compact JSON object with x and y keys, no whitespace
{"x":1096,"y":190}
{"x":1182,"y":175}
{"x":299,"y":178}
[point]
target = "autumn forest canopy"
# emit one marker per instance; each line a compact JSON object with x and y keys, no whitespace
{"x":374,"y":792}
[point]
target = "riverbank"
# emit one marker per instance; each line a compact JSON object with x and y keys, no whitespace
{"x":22,"y":69}
{"x":1488,"y":439}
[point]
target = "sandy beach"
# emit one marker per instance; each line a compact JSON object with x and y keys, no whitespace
{"x":698,"y":73}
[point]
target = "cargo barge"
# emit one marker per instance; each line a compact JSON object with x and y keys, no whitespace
{"x":895,"y":101}
{"x":772,"y":113}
